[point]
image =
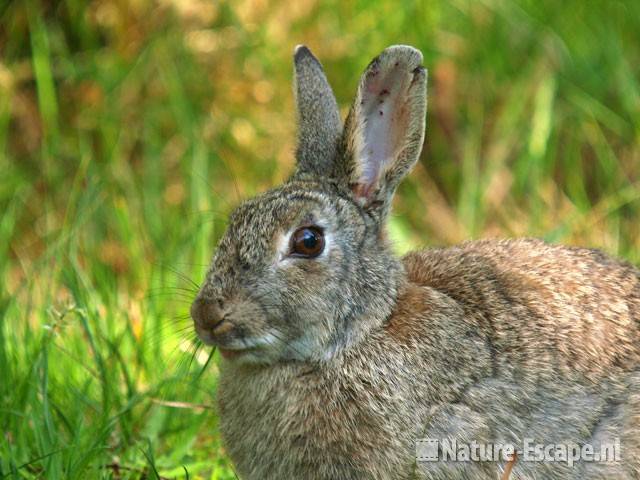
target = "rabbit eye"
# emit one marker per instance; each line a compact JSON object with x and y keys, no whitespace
{"x":307,"y":242}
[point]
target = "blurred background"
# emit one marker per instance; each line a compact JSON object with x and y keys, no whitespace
{"x":129,"y":129}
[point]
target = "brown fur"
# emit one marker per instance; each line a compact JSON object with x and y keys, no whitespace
{"x":335,"y":365}
{"x":469,"y":350}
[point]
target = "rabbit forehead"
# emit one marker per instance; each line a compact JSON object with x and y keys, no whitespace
{"x":257,"y":224}
{"x":275,"y":210}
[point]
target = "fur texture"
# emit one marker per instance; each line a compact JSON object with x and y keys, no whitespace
{"x":335,"y":365}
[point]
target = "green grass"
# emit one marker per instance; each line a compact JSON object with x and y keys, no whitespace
{"x":129,"y":131}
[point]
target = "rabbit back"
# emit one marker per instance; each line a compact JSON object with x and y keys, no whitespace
{"x":562,"y":327}
{"x":546,"y":310}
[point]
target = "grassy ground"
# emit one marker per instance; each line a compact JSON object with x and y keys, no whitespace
{"x":129,"y":129}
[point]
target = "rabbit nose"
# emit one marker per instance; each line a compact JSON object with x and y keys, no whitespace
{"x":207,"y":313}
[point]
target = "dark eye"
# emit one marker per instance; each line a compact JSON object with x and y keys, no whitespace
{"x":307,"y":242}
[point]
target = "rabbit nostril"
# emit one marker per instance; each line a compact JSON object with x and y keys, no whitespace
{"x":206,"y":313}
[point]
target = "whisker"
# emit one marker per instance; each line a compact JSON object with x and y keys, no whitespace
{"x":212,"y":189}
{"x":233,"y":177}
{"x":286,"y":343}
{"x":189,"y":264}
{"x":179,"y":274}
{"x":179,"y":297}
{"x":171,"y":287}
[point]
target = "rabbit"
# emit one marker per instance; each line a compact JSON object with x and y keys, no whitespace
{"x":338,"y":356}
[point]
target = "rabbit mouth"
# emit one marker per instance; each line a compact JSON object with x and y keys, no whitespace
{"x":258,"y":349}
{"x":229,"y":354}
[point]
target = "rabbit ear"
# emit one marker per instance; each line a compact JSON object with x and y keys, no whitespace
{"x":385,"y":127}
{"x":319,"y":124}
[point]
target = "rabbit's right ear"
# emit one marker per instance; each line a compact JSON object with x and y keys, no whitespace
{"x":319,"y":124}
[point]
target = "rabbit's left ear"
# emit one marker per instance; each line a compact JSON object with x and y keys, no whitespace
{"x":384,"y":131}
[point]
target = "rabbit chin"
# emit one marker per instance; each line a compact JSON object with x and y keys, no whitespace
{"x":270,"y":348}
{"x":266,"y":349}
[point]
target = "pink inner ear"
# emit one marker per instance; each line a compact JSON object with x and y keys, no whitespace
{"x":384,"y":120}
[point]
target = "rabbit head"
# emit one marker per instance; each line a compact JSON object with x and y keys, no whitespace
{"x":304,"y":269}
